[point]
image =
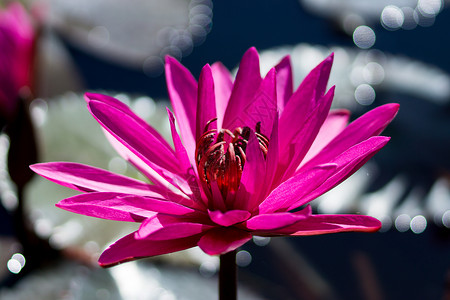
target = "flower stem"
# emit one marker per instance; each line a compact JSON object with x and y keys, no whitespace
{"x":228,"y":276}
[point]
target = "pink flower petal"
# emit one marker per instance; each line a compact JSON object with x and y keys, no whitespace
{"x":125,"y":109}
{"x":292,"y":192}
{"x":322,"y":224}
{"x":164,"y":227}
{"x":107,"y":206}
{"x":284,"y":82}
{"x":87,"y":179}
{"x":136,"y":138}
{"x":141,"y":164}
{"x":206,"y":106}
{"x":129,"y":248}
{"x":223,"y":85}
{"x":121,"y":207}
{"x":347,"y":163}
{"x":222,"y":240}
{"x":182,"y":88}
{"x":274,"y":221}
{"x":245,"y":86}
{"x":334,"y":124}
{"x":228,"y":218}
{"x":370,"y":124}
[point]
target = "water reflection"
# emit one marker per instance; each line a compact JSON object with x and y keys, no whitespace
{"x":114,"y":30}
{"x":393,"y":15}
{"x":383,"y":72}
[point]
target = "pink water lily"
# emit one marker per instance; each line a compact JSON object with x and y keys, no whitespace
{"x":249,"y":156}
{"x":16,"y":55}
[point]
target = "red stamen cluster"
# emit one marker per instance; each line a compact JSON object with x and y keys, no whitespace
{"x":220,"y":156}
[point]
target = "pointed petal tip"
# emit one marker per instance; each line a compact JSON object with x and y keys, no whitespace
{"x":387,"y":112}
{"x":89,"y":96}
{"x":218,"y":64}
{"x":251,"y":52}
{"x":169,"y":59}
{"x":206,"y":71}
{"x":328,"y":62}
{"x":394,"y":107}
{"x":34,"y":167}
{"x":171,"y":62}
{"x":285,"y":59}
{"x":252,"y":49}
{"x":332,"y":90}
{"x":272,"y":73}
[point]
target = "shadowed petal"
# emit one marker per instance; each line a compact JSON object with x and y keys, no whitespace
{"x":206,"y":106}
{"x":284,"y":82}
{"x":182,"y":88}
{"x":190,"y":185}
{"x":216,"y":201}
{"x":272,"y":159}
{"x":87,"y":179}
{"x":249,"y":191}
{"x":322,"y":224}
{"x":164,"y":227}
{"x":180,"y":151}
{"x":228,"y":218}
{"x":222,"y":240}
{"x":120,"y":207}
{"x":291,"y":192}
{"x":274,"y":221}
{"x":245,"y":86}
{"x":129,"y":248}
{"x":223,"y":85}
{"x":370,"y":124}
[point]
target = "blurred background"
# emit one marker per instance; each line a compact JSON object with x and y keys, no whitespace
{"x":385,"y":51}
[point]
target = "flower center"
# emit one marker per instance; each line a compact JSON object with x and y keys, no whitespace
{"x":220,"y":156}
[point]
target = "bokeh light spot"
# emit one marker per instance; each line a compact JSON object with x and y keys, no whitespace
{"x":402,"y":222}
{"x":364,"y":37}
{"x":373,"y":73}
{"x":392,"y":17}
{"x":261,"y":240}
{"x":418,"y":224}
{"x":446,"y":219}
{"x":365,"y":94}
{"x":243,"y":258}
